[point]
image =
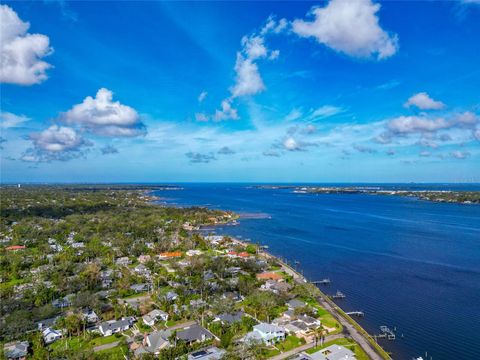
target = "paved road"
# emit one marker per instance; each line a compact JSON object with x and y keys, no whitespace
{"x":349,"y":328}
{"x":106,"y":346}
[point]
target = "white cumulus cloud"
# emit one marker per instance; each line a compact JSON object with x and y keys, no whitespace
{"x":21,"y":53}
{"x":103,"y":116}
{"x":248,"y":80}
{"x":9,"y":120}
{"x":55,"y":143}
{"x":416,"y":124}
{"x":227,"y":112}
{"x":349,"y":26}
{"x":291,"y":144}
{"x":424,"y":101}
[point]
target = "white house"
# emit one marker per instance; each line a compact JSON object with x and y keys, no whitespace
{"x":123,"y":261}
{"x":194,"y":252}
{"x":50,"y":335}
{"x":266,"y":333}
{"x":90,"y":315}
{"x":108,"y":328}
{"x":153,"y":316}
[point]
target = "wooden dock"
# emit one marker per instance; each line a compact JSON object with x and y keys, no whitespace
{"x":322,"y":282}
{"x":356,"y":313}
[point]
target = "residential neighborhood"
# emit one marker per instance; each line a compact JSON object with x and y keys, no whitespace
{"x":163,"y":289}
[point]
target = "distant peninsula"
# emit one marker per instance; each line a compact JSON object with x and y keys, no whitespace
{"x":448,"y":196}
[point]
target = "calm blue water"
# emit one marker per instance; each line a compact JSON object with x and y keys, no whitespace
{"x":409,"y":264}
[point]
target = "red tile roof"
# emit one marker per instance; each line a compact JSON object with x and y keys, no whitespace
{"x":15,"y":247}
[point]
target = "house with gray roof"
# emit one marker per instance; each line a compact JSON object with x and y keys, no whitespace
{"x":229,"y":318}
{"x":154,"y":316}
{"x":154,"y":343}
{"x":295,"y":304}
{"x":108,"y":328}
{"x":17,"y":350}
{"x":51,"y":335}
{"x":332,"y":352}
{"x":194,"y":333}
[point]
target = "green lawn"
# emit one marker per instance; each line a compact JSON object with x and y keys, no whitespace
{"x":79,"y":343}
{"x":349,"y":344}
{"x":325,"y":317}
{"x":290,"y":343}
{"x":75,"y":343}
{"x":117,"y":352}
{"x":104,"y":340}
{"x":270,"y":352}
{"x":136,"y":295}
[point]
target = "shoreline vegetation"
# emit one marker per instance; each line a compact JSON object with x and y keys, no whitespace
{"x":69,"y":253}
{"x":445,"y":196}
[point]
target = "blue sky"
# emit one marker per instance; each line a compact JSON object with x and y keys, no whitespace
{"x":336,"y":91}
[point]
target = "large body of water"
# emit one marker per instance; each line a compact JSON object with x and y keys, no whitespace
{"x":409,"y":264}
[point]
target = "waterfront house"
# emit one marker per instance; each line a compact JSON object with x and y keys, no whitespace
{"x":211,"y":353}
{"x":153,"y":316}
{"x":311,"y":322}
{"x":194,"y":333}
{"x":17,"y":350}
{"x":108,"y":328}
{"x":266,"y":333}
{"x":50,"y":335}
{"x":270,"y":276}
{"x":277,"y":287}
{"x":332,"y":352}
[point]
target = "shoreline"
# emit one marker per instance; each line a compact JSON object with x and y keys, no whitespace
{"x":353,"y":328}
